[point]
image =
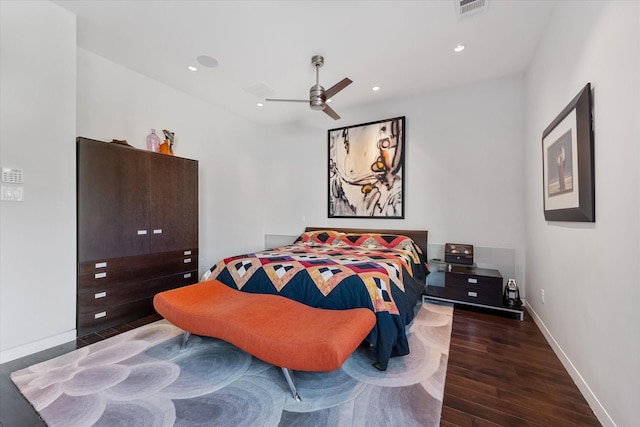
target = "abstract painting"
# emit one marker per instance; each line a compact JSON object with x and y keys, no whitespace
{"x":366,"y":170}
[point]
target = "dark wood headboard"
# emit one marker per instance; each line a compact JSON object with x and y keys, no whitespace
{"x":418,"y":236}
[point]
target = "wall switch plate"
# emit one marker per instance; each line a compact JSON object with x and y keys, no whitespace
{"x":7,"y":193}
{"x":12,"y":194}
{"x":18,"y":194}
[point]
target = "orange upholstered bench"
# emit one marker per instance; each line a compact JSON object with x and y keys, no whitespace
{"x":273,"y":328}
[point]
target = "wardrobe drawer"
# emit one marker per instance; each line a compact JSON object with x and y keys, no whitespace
{"x":100,"y":273}
{"x":107,"y":317}
{"x":120,"y":307}
{"x":95,"y":299}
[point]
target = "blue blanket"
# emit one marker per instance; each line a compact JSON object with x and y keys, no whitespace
{"x":333,"y":270}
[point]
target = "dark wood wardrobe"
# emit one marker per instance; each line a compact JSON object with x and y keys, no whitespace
{"x":137,"y":221}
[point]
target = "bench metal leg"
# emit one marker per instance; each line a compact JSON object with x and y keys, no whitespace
{"x":289,"y":376}
{"x":185,"y":338}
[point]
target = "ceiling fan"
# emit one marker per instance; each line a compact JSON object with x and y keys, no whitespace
{"x":317,"y":94}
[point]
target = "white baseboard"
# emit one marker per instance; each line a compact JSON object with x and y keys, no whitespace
{"x":584,"y":388}
{"x":36,"y":346}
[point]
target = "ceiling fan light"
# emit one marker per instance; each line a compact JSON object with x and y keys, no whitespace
{"x":318,"y":97}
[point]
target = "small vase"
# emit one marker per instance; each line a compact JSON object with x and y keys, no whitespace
{"x":164,"y":148}
{"x":153,"y":141}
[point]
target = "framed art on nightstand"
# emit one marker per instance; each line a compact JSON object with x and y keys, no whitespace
{"x":568,"y":163}
{"x":366,"y":170}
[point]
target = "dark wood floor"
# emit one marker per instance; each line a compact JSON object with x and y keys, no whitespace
{"x":501,"y":372}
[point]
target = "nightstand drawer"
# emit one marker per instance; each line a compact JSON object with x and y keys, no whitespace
{"x":461,"y":275}
{"x":480,"y":282}
{"x":479,"y":285}
{"x":479,"y":295}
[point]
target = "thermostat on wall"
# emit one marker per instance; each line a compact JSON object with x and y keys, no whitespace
{"x":12,"y":176}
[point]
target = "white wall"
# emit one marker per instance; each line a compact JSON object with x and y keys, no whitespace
{"x":37,"y":131}
{"x":38,"y":135}
{"x":464,"y":160}
{"x":589,"y":270}
{"x":115,"y":102}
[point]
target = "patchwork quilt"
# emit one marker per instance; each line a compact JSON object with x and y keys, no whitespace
{"x":328,"y":269}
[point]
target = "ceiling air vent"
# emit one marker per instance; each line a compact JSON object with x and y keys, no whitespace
{"x":465,"y":8}
{"x":260,"y":91}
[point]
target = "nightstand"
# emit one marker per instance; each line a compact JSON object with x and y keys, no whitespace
{"x":480,"y":287}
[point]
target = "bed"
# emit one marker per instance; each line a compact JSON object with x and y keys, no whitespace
{"x":342,"y":268}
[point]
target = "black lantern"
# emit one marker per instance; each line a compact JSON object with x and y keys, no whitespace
{"x":512,"y":294}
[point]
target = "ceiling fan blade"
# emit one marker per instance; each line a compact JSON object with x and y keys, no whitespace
{"x":331,"y":113}
{"x":287,"y":100}
{"x":337,"y":87}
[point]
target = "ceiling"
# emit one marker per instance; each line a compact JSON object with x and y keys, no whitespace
{"x":264,"y":48}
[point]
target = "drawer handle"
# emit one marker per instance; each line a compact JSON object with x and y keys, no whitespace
{"x":101,"y":264}
{"x":100,"y":315}
{"x":100,"y":295}
{"x":187,"y":260}
{"x":472,"y":280}
{"x":101,"y":275}
{"x":187,"y":276}
{"x":142,"y":232}
{"x":472,"y":294}
{"x":157,"y":231}
{"x":187,"y":252}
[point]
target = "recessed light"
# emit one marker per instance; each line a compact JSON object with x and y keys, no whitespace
{"x":375,"y":88}
{"x":459,"y":48}
{"x":260,"y":104}
{"x":328,"y":100}
{"x":192,"y":68}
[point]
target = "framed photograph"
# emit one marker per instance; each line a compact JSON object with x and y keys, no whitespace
{"x":366,"y":170}
{"x":568,"y":163}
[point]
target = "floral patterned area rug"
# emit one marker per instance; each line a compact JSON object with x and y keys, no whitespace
{"x":143,"y":378}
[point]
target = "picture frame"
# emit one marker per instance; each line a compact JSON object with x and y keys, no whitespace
{"x":568,"y":162}
{"x":366,"y":170}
